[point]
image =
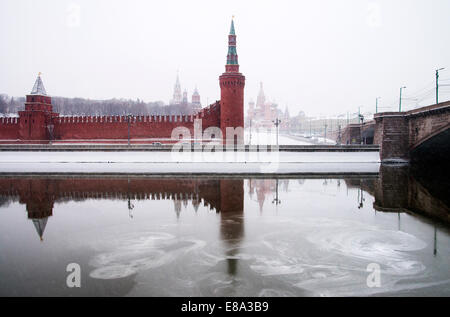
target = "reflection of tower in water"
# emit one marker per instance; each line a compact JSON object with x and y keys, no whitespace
{"x":39,"y":204}
{"x":231,"y":219}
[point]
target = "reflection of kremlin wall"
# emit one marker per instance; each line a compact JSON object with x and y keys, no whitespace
{"x":40,"y":194}
{"x":394,"y":191}
{"x":39,"y":124}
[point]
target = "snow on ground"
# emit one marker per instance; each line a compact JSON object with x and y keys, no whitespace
{"x":186,"y":157}
{"x":192,"y":168}
{"x":326,"y":141}
{"x":190,"y":162}
{"x":270,"y":137}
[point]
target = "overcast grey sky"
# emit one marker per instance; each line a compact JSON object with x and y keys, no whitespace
{"x":322,"y":57}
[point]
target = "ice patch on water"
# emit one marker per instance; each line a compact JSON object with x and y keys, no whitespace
{"x":368,"y":243}
{"x":139,"y":252}
{"x":267,"y":267}
{"x":267,"y":292}
{"x":407,"y":267}
{"x":330,"y":256}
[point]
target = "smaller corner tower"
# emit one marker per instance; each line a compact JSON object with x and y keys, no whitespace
{"x":37,"y":116}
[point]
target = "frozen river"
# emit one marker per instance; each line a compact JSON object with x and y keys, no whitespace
{"x":214,"y":236}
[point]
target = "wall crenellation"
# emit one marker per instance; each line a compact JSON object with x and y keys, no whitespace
{"x":9,"y":120}
{"x":135,"y":119}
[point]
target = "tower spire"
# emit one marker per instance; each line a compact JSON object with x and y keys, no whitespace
{"x":177,"y":97}
{"x":232,"y":57}
{"x":232,"y":32}
{"x":38,"y":87}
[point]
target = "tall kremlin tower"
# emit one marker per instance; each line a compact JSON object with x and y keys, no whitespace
{"x":232,"y":84}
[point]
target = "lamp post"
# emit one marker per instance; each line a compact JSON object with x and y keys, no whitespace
{"x":50,"y":128}
{"x":310,"y":127}
{"x":129,"y":123}
{"x":400,"y":103}
{"x":339,"y":139}
{"x":376,"y":104}
{"x":250,"y":141}
{"x":277,"y":123}
{"x":437,"y":84}
{"x":361,"y":121}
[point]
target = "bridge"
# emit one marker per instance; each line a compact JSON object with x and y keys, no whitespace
{"x":403,"y":189}
{"x":421,"y":134}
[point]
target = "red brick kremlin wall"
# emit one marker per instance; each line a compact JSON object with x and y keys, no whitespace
{"x":101,"y":128}
{"x":141,"y":127}
{"x":9,"y":128}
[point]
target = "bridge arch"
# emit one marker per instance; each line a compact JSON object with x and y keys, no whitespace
{"x":418,"y":135}
{"x":433,"y":148}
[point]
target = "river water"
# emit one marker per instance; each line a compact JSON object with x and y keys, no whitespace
{"x":232,"y":236}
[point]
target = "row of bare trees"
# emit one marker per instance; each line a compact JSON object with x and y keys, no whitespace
{"x":81,"y":106}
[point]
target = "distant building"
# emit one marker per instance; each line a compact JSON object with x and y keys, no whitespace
{"x":196,"y":100}
{"x":185,"y":98}
{"x":176,"y":93}
{"x":285,"y":124}
{"x":264,"y":113}
{"x":182,"y":98}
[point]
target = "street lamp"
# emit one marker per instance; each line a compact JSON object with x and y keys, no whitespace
{"x":339,"y":138}
{"x":361,"y":119}
{"x":129,"y":123}
{"x":50,"y":128}
{"x":250,"y":141}
{"x":376,"y":104}
{"x":277,"y":123}
{"x":437,"y":84}
{"x":400,"y":103}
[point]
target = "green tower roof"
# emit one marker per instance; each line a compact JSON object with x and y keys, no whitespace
{"x":232,"y":28}
{"x":232,"y":58}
